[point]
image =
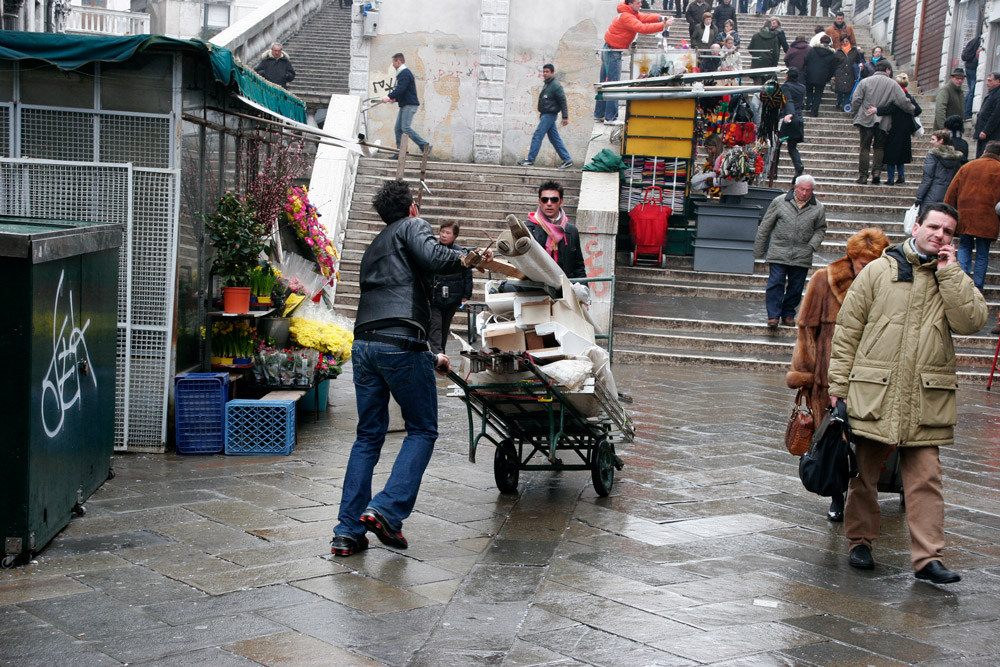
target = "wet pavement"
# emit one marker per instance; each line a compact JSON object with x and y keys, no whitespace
{"x":708,"y":551}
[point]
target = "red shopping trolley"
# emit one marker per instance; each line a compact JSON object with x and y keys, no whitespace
{"x":648,"y":227}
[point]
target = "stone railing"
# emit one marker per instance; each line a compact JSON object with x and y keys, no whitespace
{"x":94,"y":21}
{"x":271,"y":22}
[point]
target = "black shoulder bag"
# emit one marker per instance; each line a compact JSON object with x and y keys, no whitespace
{"x":830,"y":464}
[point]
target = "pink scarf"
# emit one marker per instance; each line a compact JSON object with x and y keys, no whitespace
{"x":556,"y":230}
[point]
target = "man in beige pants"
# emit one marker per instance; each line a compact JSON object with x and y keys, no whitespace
{"x":894,"y":361}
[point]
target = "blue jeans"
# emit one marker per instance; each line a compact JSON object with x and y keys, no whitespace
{"x":611,"y":70}
{"x":970,"y":78}
{"x":547,"y":127}
{"x":982,"y":245}
{"x":784,"y":290}
{"x":381,"y":369}
{"x":404,"y":122}
{"x":892,"y":169}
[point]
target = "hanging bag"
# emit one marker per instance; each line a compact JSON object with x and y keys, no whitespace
{"x":910,"y":219}
{"x":830,"y":464}
{"x":801,"y":426}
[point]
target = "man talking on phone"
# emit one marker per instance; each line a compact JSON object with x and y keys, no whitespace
{"x":893,"y":362}
{"x":390,"y":357}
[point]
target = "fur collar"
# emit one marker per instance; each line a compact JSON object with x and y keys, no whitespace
{"x":840,"y":275}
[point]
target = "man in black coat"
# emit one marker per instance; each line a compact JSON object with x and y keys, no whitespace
{"x":793,"y":127}
{"x":988,"y":121}
{"x":276,"y":67}
{"x":724,"y":11}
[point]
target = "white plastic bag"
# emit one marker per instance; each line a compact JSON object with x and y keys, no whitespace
{"x":910,"y":219}
{"x":919,"y":131}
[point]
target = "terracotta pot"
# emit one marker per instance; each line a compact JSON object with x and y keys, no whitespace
{"x":236,"y":299}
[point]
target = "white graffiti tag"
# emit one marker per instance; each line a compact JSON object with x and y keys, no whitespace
{"x":61,"y":386}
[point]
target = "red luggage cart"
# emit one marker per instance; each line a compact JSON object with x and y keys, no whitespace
{"x":648,"y":227}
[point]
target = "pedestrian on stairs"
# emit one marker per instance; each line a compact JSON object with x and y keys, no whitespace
{"x":792,"y":128}
{"x":794,"y":224}
{"x":949,"y":100}
{"x":898,"y":148}
{"x":817,"y":319}
{"x":405,"y":95}
{"x":764,"y":51}
{"x":618,"y":37}
{"x":975,"y":192}
{"x":988,"y":121}
{"x":877,"y":91}
{"x":551,"y":102}
{"x":940,"y":166}
{"x":839,"y":29}
{"x":821,"y":63}
{"x":276,"y":67}
{"x":847,"y":59}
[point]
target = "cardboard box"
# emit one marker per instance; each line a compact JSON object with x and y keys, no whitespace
{"x":504,"y":336}
{"x":535,"y":341}
{"x":532,"y":310}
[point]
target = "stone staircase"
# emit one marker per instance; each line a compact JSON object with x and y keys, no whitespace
{"x":678,"y":316}
{"x":478,"y":197}
{"x":321,"y":54}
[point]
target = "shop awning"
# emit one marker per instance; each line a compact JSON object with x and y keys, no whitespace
{"x":73,"y":51}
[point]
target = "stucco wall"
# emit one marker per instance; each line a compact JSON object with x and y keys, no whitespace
{"x":442,"y":51}
{"x":442,"y":48}
{"x":565,"y":36}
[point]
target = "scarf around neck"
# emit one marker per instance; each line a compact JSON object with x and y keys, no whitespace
{"x":555,"y":230}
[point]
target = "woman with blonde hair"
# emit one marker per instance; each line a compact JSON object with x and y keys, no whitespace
{"x":816,"y":321}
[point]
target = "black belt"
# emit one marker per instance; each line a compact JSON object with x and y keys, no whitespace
{"x":393,"y":339}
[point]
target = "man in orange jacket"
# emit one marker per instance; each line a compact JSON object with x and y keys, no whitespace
{"x":622,"y":31}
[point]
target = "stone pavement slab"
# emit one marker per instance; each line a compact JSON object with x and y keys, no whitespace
{"x":708,"y":551}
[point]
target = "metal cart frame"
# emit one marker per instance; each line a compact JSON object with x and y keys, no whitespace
{"x":532,"y":422}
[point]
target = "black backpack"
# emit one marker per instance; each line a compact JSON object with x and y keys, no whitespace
{"x":830,"y":464}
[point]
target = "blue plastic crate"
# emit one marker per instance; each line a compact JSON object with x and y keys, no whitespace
{"x":260,"y":427}
{"x":200,"y":412}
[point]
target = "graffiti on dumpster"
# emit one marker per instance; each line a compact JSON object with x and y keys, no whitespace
{"x":61,"y":385}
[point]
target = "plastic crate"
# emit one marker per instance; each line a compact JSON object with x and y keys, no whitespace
{"x":260,"y":427}
{"x":200,"y":412}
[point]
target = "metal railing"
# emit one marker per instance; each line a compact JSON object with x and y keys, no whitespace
{"x":94,"y":21}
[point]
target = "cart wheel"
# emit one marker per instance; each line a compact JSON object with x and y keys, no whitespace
{"x":506,"y":467}
{"x":8,"y":562}
{"x":602,"y":468}
{"x":111,"y":473}
{"x":79,"y":510}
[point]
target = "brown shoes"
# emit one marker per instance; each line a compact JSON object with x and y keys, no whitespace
{"x":788,"y":321}
{"x":772,"y":323}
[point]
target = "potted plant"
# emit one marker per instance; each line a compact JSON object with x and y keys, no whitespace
{"x":262,"y":282}
{"x":239,"y":238}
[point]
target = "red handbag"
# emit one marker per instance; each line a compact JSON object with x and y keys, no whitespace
{"x":647,"y":222}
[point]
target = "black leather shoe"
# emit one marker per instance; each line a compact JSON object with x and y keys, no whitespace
{"x":836,"y":511}
{"x":861,"y":558}
{"x":343,"y":546}
{"x":861,"y":180}
{"x":937,"y":573}
{"x":376,"y":523}
{"x":876,"y":180}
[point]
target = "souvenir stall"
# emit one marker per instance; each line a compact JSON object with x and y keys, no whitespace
{"x":667,"y":117}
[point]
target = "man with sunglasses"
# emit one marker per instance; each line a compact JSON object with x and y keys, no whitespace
{"x":550,"y":226}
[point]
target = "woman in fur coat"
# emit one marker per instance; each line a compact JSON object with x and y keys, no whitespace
{"x":817,"y":318}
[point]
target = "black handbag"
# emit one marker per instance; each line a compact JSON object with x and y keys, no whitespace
{"x":830,"y":464}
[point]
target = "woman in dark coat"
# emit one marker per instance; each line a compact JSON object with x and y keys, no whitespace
{"x":820,"y":65}
{"x":816,"y":321}
{"x":897,"y":144}
{"x":847,"y":57}
{"x":940,"y":166}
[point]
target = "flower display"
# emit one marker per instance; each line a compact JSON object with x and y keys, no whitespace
{"x":303,"y":217}
{"x":326,"y":337}
{"x":233,"y":338}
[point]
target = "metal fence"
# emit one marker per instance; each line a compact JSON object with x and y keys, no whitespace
{"x":110,"y":166}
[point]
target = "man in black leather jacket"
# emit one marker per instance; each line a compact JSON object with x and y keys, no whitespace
{"x":390,"y":356}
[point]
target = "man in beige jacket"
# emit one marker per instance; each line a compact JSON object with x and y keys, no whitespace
{"x":893,"y":360}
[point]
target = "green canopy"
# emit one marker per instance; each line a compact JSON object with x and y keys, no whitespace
{"x":73,"y":51}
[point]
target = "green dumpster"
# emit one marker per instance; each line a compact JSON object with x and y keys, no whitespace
{"x":58,"y":345}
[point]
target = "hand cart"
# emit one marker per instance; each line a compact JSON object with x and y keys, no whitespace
{"x":534,"y":425}
{"x":648,"y":228}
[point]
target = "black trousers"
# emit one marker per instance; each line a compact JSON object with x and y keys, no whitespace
{"x":793,"y":152}
{"x":814,"y":95}
{"x":441,"y":317}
